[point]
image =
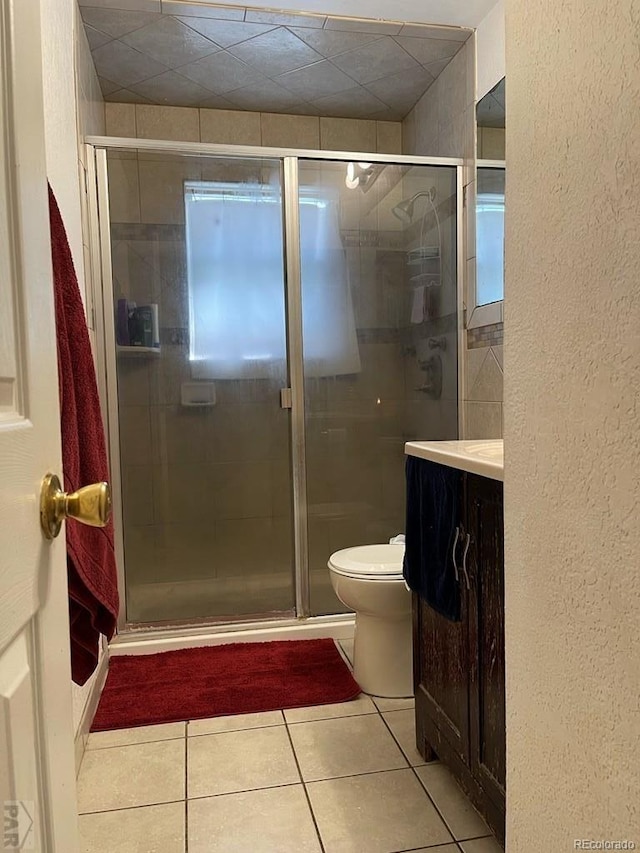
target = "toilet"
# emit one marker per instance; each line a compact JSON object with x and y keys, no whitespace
{"x":368,"y":580}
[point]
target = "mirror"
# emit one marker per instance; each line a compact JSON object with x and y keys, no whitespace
{"x":490,"y":185}
{"x":490,"y":118}
{"x":489,"y":234}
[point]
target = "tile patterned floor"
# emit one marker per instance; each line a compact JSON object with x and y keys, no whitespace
{"x":340,"y":778}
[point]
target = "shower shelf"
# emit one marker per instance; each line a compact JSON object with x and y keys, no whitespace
{"x":431,"y":279}
{"x":422,"y":254}
{"x":418,"y":262}
{"x":137,"y":352}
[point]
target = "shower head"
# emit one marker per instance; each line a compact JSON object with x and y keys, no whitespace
{"x":405,"y":208}
{"x":404,"y":211}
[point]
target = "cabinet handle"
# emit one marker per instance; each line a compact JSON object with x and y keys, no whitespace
{"x":453,"y":553}
{"x":464,"y":561}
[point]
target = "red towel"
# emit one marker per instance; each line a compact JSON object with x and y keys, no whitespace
{"x":91,"y":565}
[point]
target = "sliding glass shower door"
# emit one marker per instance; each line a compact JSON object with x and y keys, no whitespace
{"x":276,"y":329}
{"x":201,"y":357}
{"x":379,"y":300}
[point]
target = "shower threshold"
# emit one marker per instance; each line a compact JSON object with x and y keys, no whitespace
{"x":152,"y":638}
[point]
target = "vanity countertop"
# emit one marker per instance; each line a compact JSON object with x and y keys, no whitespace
{"x":485,"y":457}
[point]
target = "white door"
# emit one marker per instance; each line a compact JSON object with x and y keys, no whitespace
{"x":37,"y":778}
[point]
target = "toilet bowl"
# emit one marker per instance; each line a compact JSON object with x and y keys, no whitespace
{"x":368,"y":580}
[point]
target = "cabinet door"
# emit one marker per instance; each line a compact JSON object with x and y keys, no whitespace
{"x":441,"y":675}
{"x":441,"y":666}
{"x":485,"y":566}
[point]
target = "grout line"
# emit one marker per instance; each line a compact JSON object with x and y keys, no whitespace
{"x":325,"y":719}
{"x":137,"y":743}
{"x":446,"y":823}
{"x":243,"y":791}
{"x":304,"y":788}
{"x":477,"y":838}
{"x":423,"y":786}
{"x":390,"y":710}
{"x":131,"y":808}
{"x":234,"y":731}
{"x":344,"y":655}
{"x":395,"y":739}
{"x":452,"y":844}
{"x":357,"y":775}
{"x":433,"y":802}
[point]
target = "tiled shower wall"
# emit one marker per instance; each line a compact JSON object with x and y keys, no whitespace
{"x":235,"y":127}
{"x":443,"y":124}
{"x":491,"y":143}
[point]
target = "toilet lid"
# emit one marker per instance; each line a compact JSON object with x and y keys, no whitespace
{"x":369,"y":561}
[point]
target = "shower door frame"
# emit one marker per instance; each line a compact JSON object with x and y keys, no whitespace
{"x":102,"y":279}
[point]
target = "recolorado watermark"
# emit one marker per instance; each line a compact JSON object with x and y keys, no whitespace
{"x":18,"y":825}
{"x":603,"y":844}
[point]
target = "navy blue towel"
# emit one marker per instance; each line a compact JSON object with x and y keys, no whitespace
{"x":433,"y":496}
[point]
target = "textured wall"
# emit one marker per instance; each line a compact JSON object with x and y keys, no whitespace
{"x":572,"y":424}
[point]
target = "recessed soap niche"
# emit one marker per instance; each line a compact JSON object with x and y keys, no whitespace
{"x":198,"y":394}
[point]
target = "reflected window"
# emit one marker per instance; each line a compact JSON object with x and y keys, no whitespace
{"x":235,"y":268}
{"x":490,"y":236}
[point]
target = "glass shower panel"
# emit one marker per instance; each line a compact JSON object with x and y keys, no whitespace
{"x":199,"y":306}
{"x":379,"y":297}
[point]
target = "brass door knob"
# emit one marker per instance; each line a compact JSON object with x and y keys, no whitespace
{"x":90,"y":505}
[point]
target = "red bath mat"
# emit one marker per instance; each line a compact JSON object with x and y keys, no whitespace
{"x":214,"y":681}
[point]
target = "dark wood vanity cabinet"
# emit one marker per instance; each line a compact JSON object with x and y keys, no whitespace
{"x":459,"y":666}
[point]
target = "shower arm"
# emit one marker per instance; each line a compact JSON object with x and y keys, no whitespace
{"x":430,"y":194}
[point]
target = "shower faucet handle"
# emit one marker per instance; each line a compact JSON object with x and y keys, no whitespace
{"x":432,"y":385}
{"x":439,"y":342}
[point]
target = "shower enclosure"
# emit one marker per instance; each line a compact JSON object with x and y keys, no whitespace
{"x":276,"y":325}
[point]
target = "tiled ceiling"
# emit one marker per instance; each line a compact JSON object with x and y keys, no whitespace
{"x":227,"y":57}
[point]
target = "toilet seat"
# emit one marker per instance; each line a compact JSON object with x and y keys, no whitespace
{"x":369,"y":562}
